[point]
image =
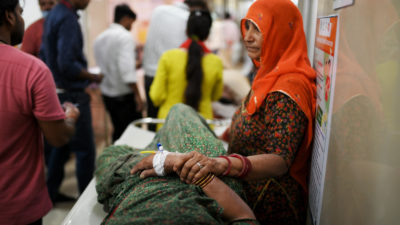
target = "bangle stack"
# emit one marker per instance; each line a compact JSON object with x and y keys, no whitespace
{"x":246,"y":165}
{"x":228,"y":170}
{"x":205,"y":180}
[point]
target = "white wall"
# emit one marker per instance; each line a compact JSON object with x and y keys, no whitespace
{"x":362,"y":179}
{"x":31,"y":12}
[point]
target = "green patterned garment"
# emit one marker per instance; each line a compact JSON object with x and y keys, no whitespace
{"x":161,"y":200}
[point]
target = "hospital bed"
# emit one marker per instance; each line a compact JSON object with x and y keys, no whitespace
{"x":87,"y":210}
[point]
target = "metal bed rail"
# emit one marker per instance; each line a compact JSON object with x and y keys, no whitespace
{"x":149,"y":120}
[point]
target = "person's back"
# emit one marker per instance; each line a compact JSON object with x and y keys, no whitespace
{"x":63,"y":54}
{"x":33,"y":38}
{"x":166,"y":31}
{"x":168,"y":95}
{"x":114,"y":51}
{"x":25,"y":84}
{"x":230,"y":30}
{"x":33,"y":34}
{"x":190,"y":74}
{"x":105,"y":46}
{"x":62,"y":51}
{"x":29,"y":110}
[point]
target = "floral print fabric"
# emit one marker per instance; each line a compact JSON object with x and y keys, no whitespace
{"x":276,"y":128}
{"x":161,"y":200}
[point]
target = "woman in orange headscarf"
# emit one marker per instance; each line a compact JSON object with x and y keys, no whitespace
{"x":271,"y":133}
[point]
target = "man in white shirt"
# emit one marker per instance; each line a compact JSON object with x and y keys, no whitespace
{"x":167,"y":30}
{"x":114,"y":51}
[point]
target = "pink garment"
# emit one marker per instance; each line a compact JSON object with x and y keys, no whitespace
{"x":27,"y":94}
{"x":33,"y":38}
{"x":231,"y":32}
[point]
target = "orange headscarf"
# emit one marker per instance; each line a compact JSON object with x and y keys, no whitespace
{"x":284,"y":66}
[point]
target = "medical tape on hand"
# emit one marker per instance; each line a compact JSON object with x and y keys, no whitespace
{"x":158,"y":162}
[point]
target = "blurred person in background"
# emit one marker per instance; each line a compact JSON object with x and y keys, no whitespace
{"x":32,"y":42}
{"x":166,"y":31}
{"x":114,"y":50}
{"x":29,"y":109}
{"x":33,"y":35}
{"x":231,"y":36}
{"x":62,"y":51}
{"x":190,"y":74}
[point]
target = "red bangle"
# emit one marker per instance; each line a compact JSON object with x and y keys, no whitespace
{"x":246,"y":165}
{"x":249,"y":166}
{"x":228,"y":170}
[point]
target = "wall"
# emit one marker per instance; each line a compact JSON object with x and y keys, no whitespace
{"x":31,"y":11}
{"x":363,"y":169}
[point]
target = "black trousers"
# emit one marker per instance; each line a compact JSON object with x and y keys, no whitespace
{"x":122,"y":111}
{"x":82,"y":144}
{"x":152,"y":111}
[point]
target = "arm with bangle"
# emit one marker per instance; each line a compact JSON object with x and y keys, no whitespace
{"x":163,"y":162}
{"x":59,"y":132}
{"x":234,"y":207}
{"x":234,"y":165}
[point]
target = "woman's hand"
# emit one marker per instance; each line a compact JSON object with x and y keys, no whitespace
{"x":196,"y":165}
{"x":146,"y":169}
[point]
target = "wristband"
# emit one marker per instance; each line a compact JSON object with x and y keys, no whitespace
{"x":158,"y":162}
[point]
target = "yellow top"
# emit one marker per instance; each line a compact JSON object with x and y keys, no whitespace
{"x":169,"y":84}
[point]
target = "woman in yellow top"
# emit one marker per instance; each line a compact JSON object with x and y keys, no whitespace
{"x":190,"y":74}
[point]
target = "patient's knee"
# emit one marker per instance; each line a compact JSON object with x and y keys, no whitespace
{"x":181,"y":108}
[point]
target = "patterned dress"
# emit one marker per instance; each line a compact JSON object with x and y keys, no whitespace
{"x":276,"y":128}
{"x":161,"y":200}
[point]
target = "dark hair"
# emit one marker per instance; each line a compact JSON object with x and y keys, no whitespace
{"x":227,"y":15}
{"x":121,"y":11}
{"x":198,"y":29}
{"x":7,"y":5}
{"x":200,"y":4}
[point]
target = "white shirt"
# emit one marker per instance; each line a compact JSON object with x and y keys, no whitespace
{"x":114,"y":51}
{"x":167,"y":30}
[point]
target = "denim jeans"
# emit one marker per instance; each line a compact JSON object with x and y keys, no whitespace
{"x":82,"y":144}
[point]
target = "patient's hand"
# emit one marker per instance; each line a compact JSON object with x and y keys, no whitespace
{"x":146,"y":169}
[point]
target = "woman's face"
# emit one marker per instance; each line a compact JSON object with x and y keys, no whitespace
{"x":253,"y":40}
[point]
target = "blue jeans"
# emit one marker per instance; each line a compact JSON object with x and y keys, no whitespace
{"x":82,"y":144}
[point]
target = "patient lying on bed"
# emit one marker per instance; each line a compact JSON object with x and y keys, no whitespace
{"x":128,"y":199}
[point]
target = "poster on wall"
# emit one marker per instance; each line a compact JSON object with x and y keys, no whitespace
{"x":325,"y":58}
{"x":342,"y":3}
